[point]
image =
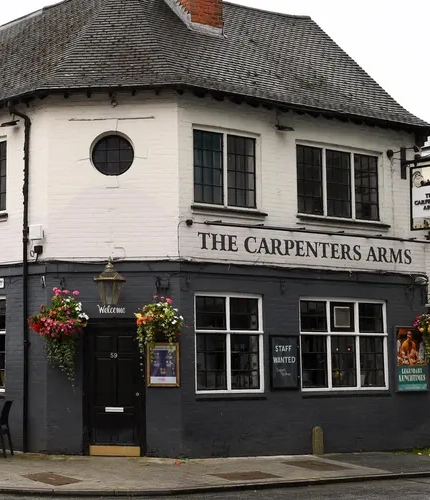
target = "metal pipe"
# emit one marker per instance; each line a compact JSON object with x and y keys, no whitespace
{"x":26,"y":344}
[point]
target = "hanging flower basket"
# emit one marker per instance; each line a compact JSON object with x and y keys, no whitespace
{"x":60,"y":325}
{"x":158,"y":322}
{"x":422,"y":324}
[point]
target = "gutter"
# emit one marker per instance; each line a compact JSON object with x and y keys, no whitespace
{"x":26,"y":343}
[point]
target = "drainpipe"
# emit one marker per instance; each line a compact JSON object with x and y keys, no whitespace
{"x":26,"y":344}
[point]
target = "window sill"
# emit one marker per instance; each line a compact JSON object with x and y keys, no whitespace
{"x":325,"y":221}
{"x":248,"y":213}
{"x":344,"y":394}
{"x":3,"y":216}
{"x":258,"y":396}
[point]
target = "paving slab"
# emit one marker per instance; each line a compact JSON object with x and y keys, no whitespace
{"x":109,"y":476}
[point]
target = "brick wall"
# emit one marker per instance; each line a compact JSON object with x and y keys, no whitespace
{"x":206,"y":12}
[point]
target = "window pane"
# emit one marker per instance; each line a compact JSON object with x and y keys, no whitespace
{"x":309,"y":180}
{"x":2,"y":314}
{"x":208,"y":165}
{"x":342,"y":316}
{"x":3,"y":175}
{"x":113,"y":155}
{"x":241,"y":171}
{"x":243,"y":314}
{"x":344,"y":372}
{"x":211,"y":362}
{"x":210,"y":313}
{"x":245,"y":362}
{"x":314,"y":361}
{"x":313,"y":316}
{"x":370,"y":316}
{"x":338,"y":170}
{"x":366,"y":187}
{"x":372,"y":361}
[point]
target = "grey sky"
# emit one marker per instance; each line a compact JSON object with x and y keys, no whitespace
{"x":387,"y":38}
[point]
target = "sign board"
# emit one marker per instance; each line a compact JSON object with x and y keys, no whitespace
{"x":420,"y":197}
{"x":284,"y":362}
{"x":411,"y":366}
{"x":163,"y":365}
{"x":262,"y":246}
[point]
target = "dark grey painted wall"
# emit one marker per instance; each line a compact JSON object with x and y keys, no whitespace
{"x":179,"y":423}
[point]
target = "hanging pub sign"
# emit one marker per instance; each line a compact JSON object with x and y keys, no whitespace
{"x":420,"y":197}
{"x":284,"y":362}
{"x":411,"y":365}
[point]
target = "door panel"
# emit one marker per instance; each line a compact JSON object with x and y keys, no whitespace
{"x":115,"y":392}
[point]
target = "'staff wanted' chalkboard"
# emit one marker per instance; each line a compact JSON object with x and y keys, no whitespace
{"x":284,"y":362}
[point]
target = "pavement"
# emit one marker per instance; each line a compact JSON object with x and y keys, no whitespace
{"x":95,"y":476}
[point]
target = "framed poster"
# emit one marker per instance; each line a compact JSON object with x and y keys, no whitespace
{"x":284,"y":362}
{"x":163,"y":365}
{"x":412,"y":367}
{"x":420,"y":197}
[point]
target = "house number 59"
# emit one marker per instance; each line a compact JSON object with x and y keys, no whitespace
{"x":113,"y":355}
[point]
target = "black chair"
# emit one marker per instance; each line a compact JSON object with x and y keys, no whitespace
{"x":4,"y":427}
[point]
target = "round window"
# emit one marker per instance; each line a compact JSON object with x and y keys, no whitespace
{"x":113,"y":155}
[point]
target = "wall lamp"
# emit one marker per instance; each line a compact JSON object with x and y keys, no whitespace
{"x":403,"y":162}
{"x":109,"y":285}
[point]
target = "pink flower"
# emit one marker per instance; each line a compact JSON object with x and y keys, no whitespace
{"x":66,"y":292}
{"x":155,"y":297}
{"x":75,"y":293}
{"x":169,"y":301}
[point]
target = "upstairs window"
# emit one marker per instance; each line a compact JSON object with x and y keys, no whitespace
{"x":224,"y":169}
{"x":337,"y":183}
{"x":3,"y":175}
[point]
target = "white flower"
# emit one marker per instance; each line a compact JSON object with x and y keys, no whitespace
{"x":174,"y":322}
{"x":181,"y":318}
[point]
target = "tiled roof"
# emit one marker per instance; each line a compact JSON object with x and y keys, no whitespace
{"x":289,"y":60}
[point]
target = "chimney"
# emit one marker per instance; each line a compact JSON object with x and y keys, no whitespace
{"x":201,"y":15}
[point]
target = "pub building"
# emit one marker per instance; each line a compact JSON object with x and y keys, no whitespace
{"x":265,"y":188}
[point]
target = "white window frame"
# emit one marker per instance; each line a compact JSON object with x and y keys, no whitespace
{"x":228,"y":332}
{"x":356,"y":333}
{"x":3,"y":332}
{"x":351,"y":152}
{"x":257,"y":167}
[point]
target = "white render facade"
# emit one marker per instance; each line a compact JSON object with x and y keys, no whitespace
{"x":141,"y":214}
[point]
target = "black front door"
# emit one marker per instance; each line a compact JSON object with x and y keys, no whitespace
{"x":115,"y":390}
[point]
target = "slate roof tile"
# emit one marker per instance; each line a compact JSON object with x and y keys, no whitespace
{"x":136,"y":43}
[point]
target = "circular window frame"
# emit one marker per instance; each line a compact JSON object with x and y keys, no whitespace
{"x":105,"y":136}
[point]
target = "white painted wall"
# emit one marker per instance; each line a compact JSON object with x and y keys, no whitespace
{"x":276,"y":174}
{"x":88,"y":216}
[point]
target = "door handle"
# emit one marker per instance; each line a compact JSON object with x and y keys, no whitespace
{"x":137,"y":394}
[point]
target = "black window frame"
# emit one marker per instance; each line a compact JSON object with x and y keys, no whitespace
{"x":225,"y":169}
{"x":105,"y":146}
{"x":243,"y":362}
{"x":3,"y":175}
{"x":336,"y":183}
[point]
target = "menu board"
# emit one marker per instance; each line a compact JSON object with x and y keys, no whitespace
{"x":284,"y":362}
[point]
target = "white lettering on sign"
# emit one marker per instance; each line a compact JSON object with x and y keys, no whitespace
{"x":111,"y":310}
{"x":1,"y":282}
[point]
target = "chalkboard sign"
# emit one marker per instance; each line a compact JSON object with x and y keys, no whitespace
{"x":284,"y":362}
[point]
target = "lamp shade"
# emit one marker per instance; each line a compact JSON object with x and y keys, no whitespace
{"x":109,"y":285}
